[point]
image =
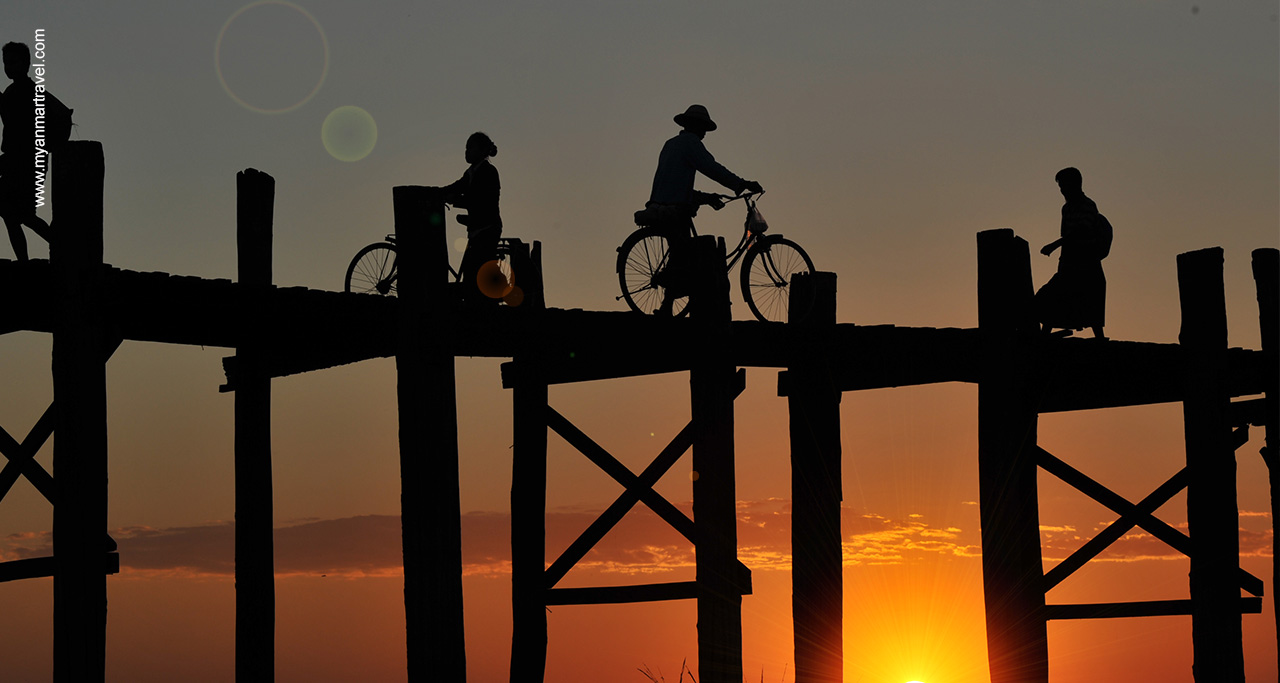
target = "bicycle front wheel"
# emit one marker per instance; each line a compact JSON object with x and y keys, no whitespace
{"x":373,"y":270}
{"x":766,"y":275}
{"x":642,"y":263}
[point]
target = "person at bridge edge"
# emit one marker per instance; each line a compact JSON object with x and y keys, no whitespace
{"x":477,"y":191}
{"x":673,"y":202}
{"x":1076,"y":296}
{"x":18,"y":150}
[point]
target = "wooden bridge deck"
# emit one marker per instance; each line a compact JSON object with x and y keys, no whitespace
{"x":310,"y":329}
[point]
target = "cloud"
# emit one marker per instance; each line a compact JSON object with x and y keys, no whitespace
{"x":26,"y":544}
{"x":642,"y":543}
{"x":370,"y":545}
{"x":880,"y":540}
{"x":1057,"y":543}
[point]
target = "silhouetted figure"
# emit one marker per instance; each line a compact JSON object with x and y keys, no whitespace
{"x":18,"y":151}
{"x":673,"y":200}
{"x":477,"y":191}
{"x":1076,"y":296}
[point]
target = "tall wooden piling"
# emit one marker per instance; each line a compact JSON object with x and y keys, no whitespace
{"x":430,"y":499}
{"x":1212,"y":516}
{"x":1266,"y":278}
{"x":529,"y":490}
{"x":813,"y":403}
{"x":80,"y":393}
{"x":1012,"y":572}
{"x":720,"y":582}
{"x":255,"y":557}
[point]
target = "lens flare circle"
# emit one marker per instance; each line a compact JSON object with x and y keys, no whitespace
{"x":515,"y":297}
{"x":349,"y":133}
{"x":217,"y":57}
{"x":492,"y":282}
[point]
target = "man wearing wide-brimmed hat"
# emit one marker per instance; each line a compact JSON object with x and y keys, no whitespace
{"x":673,"y":198}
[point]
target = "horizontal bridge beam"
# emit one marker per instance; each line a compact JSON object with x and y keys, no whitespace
{"x":1150,"y":608}
{"x":40,"y":567}
{"x":611,"y":595}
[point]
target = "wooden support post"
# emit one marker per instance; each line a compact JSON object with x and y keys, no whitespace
{"x":1266,"y":263}
{"x":720,"y":582}
{"x":80,"y":393}
{"x":255,"y":556}
{"x":430,"y":499}
{"x":529,"y":492}
{"x":539,"y":295}
{"x":527,"y":269}
{"x":1012,"y":572}
{"x":1212,"y":513}
{"x":817,"y":592}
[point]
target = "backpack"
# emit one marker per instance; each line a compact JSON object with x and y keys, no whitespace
{"x":57,"y":121}
{"x":1103,"y":245}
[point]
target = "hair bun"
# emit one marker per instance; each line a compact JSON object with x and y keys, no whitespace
{"x":493,"y":150}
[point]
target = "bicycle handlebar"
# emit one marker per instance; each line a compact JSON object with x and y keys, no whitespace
{"x":732,"y":197}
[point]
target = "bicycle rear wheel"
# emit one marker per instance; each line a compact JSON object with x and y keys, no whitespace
{"x":643,"y":255}
{"x":766,"y":276}
{"x":373,"y":270}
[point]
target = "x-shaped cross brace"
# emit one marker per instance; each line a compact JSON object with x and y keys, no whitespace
{"x":1130,"y":516}
{"x":638,"y":488}
{"x":22,"y":456}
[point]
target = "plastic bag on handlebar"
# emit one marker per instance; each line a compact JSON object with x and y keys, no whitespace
{"x":755,"y":221}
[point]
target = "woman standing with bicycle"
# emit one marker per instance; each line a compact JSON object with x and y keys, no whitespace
{"x":477,"y":191}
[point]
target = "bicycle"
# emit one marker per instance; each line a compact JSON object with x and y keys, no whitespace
{"x":769,"y":262}
{"x":373,"y":270}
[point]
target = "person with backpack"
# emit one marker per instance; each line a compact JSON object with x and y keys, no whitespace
{"x":1076,"y":296}
{"x":18,"y":169}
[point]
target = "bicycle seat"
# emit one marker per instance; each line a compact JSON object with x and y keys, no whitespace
{"x":646,"y":217}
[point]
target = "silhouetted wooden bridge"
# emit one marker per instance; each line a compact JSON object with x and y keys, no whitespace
{"x":90,"y":307}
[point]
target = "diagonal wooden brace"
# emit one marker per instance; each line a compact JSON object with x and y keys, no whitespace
{"x":619,"y":472}
{"x":637,"y":488}
{"x":1119,"y":505}
{"x":610,"y":517}
{"x":21,"y":457}
{"x":1112,"y":533}
{"x":22,"y":460}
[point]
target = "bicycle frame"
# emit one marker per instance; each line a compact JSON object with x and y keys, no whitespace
{"x":748,"y":238}
{"x":744,"y":244}
{"x":766,"y":264}
{"x":388,"y":272}
{"x":457,"y":277}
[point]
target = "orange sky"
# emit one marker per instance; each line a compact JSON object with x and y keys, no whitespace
{"x":887,"y":133}
{"x":912,"y":579}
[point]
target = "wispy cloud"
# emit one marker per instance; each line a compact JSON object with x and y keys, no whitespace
{"x":880,"y":540}
{"x":642,"y":543}
{"x":1058,"y":542}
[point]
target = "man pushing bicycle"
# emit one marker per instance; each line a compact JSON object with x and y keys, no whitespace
{"x":673,"y":202}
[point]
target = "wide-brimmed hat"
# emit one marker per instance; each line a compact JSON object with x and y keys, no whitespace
{"x":696,"y":116}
